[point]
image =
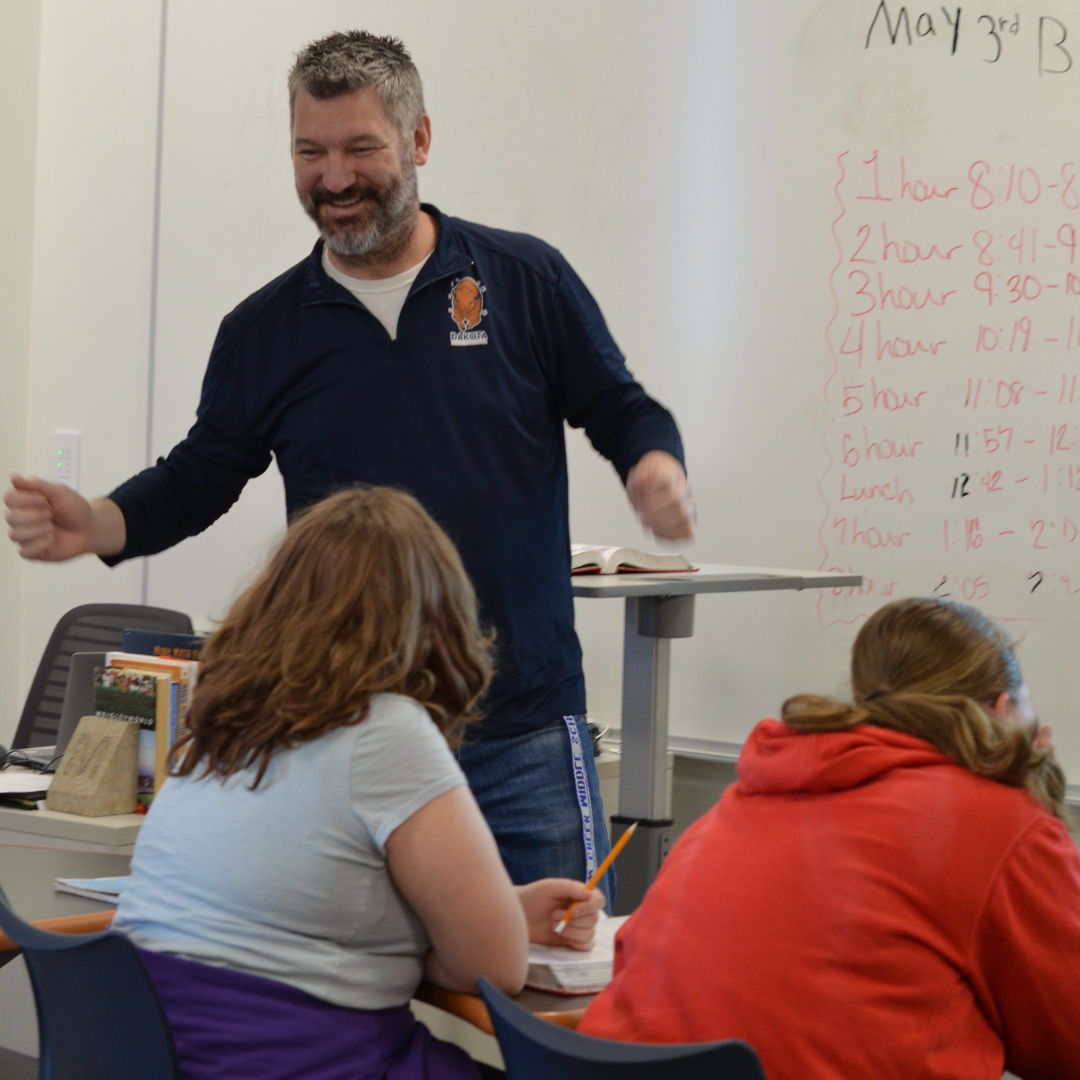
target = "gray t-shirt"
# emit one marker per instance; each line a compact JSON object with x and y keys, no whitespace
{"x":289,"y":881}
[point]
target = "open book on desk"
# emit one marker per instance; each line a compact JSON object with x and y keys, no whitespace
{"x":559,"y":970}
{"x":591,"y":559}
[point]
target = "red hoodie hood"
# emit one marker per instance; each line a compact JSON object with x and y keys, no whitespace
{"x":776,"y":759}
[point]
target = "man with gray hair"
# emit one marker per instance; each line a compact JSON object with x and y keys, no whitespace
{"x":415,"y":349}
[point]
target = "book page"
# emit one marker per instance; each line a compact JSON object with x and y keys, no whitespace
{"x":603,"y":948}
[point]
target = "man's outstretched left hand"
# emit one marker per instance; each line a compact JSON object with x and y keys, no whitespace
{"x":660,"y":495}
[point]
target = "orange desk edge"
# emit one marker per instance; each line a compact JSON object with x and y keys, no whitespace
{"x":466,"y":1006}
{"x":472,"y":1008}
{"x":69,"y":924}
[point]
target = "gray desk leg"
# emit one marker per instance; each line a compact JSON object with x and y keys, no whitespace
{"x":651,"y":623}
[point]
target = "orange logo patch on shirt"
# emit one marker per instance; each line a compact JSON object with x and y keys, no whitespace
{"x":467,"y":309}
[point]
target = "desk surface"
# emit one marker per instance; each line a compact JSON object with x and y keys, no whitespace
{"x":709,"y":578}
{"x":27,"y":874}
{"x":112,"y":835}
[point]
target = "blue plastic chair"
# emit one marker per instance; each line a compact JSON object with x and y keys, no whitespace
{"x":535,"y":1049}
{"x":99,"y":1017}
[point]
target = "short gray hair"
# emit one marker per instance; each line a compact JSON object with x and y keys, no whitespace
{"x":346,"y":61}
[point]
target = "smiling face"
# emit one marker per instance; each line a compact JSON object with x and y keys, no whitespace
{"x":356,"y":175}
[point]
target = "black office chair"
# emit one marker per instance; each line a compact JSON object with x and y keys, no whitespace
{"x":89,"y":628}
{"x":535,"y":1049}
{"x":99,"y":1017}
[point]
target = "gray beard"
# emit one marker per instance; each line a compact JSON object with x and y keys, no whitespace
{"x":385,"y":233}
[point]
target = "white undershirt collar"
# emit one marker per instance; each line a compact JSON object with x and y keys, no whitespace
{"x":383,"y":297}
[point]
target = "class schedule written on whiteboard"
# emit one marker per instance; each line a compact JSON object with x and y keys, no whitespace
{"x":953,"y":441}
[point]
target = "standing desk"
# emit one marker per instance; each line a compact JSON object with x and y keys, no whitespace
{"x":660,"y":607}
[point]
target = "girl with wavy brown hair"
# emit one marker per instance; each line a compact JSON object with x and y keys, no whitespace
{"x":889,"y":890}
{"x":316,"y":850}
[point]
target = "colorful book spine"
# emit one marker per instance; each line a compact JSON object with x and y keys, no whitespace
{"x":184,"y":674}
{"x":154,"y":643}
{"x":186,"y":671}
{"x":149,"y":699}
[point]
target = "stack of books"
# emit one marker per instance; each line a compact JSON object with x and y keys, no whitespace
{"x":150,"y":683}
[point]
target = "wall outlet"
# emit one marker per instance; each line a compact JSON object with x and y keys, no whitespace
{"x":65,"y":458}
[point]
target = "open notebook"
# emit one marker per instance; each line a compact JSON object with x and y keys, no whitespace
{"x":567,"y":971}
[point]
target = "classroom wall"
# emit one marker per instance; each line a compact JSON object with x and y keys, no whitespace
{"x":629,"y":135}
{"x":92,"y":221}
{"x":624,"y":142}
{"x":20,"y":23}
{"x":685,"y":157}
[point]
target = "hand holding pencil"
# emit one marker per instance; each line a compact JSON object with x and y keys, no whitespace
{"x":601,"y":870}
{"x":545,"y":902}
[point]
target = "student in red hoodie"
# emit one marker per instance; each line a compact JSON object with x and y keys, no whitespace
{"x":889,"y":890}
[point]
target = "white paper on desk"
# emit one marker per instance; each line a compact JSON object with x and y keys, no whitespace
{"x":23,"y":782}
{"x":107,"y":889}
{"x":573,"y":969}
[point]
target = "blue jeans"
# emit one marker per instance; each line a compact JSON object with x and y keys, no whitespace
{"x":542,"y":802}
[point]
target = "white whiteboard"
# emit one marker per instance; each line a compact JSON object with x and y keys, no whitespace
{"x":701,"y":165}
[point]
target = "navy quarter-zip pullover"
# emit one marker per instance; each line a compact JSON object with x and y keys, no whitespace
{"x":498,"y":343}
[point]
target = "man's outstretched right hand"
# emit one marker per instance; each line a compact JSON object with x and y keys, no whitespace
{"x":50,"y":522}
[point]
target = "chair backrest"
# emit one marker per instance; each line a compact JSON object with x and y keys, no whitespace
{"x":90,"y":628}
{"x":535,"y":1049}
{"x":99,"y":1017}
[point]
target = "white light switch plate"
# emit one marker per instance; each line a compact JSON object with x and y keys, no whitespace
{"x":65,"y":458}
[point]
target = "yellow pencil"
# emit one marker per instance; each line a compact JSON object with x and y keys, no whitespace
{"x":601,"y":870}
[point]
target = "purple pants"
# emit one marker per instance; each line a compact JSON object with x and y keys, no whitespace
{"x":228,"y":1025}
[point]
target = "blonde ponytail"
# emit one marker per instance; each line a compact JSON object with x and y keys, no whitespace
{"x":933,"y":669}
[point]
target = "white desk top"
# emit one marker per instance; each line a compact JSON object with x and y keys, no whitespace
{"x":710,"y":578}
{"x":47,"y":828}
